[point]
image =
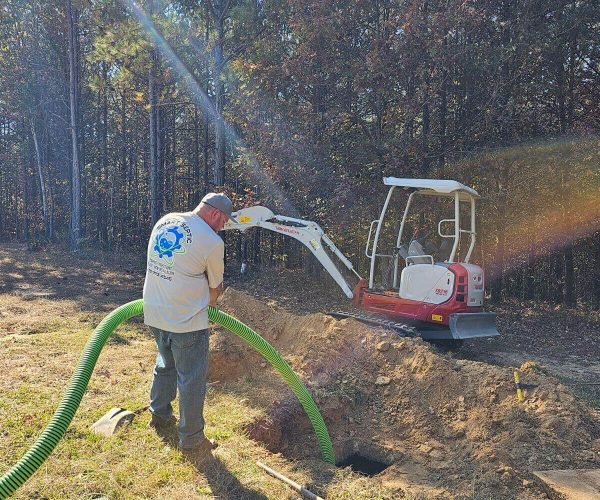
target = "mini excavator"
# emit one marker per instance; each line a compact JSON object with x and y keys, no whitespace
{"x":429,"y":291}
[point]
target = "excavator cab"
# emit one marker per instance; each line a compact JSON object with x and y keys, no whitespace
{"x":415,"y":249}
{"x":429,"y":284}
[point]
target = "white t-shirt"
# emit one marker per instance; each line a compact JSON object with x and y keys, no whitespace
{"x":185,"y":257}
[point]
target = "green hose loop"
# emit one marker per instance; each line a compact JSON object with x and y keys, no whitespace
{"x":55,"y":430}
{"x":273,"y":357}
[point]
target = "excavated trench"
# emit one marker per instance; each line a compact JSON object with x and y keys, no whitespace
{"x":280,"y":430}
{"x":363,"y":465}
{"x":398,"y":410}
{"x":365,"y":457}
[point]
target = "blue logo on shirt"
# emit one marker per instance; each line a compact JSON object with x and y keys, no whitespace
{"x":169,"y":241}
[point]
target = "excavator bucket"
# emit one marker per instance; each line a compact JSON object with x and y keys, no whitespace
{"x":471,"y":325}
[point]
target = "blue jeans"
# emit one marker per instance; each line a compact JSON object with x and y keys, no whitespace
{"x":181,"y":364}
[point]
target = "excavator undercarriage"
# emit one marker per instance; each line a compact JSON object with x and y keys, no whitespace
{"x":436,"y":300}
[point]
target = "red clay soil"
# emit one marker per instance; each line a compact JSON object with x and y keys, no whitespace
{"x":447,"y":427}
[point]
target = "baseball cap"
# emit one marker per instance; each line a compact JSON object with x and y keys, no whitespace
{"x":221,"y":202}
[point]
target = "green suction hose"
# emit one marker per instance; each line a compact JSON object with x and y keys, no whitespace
{"x":273,"y":357}
{"x":55,"y":430}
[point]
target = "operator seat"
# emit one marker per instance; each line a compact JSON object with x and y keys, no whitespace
{"x":416,"y":250}
{"x":445,"y":250}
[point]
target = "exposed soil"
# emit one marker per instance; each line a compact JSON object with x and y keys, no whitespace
{"x":565,"y":342}
{"x":447,"y":425}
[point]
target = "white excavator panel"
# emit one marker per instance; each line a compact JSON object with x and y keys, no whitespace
{"x":475,"y":289}
{"x":429,"y":283}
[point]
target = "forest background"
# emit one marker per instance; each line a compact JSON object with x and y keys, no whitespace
{"x":113,"y":113}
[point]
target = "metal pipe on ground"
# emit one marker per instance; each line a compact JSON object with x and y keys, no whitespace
{"x":304,"y":492}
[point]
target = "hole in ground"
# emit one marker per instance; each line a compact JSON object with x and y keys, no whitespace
{"x":363,"y":465}
{"x":285,"y":429}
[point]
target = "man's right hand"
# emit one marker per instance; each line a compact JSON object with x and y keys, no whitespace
{"x":213,"y":295}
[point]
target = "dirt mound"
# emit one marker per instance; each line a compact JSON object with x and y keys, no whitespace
{"x":313,"y":344}
{"x":444,"y":426}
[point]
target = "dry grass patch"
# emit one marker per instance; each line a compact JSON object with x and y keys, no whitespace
{"x":41,"y":340}
{"x":22,"y":317}
{"x":40,"y":354}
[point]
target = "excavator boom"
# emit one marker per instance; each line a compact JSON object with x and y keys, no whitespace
{"x":461,"y":322}
{"x":308,"y":233}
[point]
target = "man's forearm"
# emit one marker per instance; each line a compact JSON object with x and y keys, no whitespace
{"x":213,"y":295}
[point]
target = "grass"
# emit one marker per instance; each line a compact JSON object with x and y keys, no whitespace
{"x":485,"y":485}
{"x":588,"y":393}
{"x":40,"y":350}
{"x":519,"y":415}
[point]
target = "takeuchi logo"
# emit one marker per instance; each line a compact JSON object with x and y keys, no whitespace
{"x":167,"y":242}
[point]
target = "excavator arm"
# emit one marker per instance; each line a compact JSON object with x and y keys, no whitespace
{"x":310,"y":234}
{"x":306,"y":232}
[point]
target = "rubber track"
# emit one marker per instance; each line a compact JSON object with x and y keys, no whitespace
{"x":401,"y":328}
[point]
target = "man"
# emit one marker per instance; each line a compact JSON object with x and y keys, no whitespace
{"x":184,"y":276}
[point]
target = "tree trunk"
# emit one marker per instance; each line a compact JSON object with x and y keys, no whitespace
{"x":272,"y":247}
{"x":154,"y":142}
{"x":256,"y":246}
{"x":26,"y":203}
{"x":123,"y":201}
{"x":105,"y":177}
{"x":561,"y":82}
{"x":596,"y":270}
{"x":569,"y":294}
{"x":80,"y":128}
{"x":51,"y":215}
{"x":75,"y":233}
{"x":196,"y":169}
{"x":173,"y":162}
{"x":556,"y":278}
{"x":568,"y":291}
{"x":38,"y":158}
{"x":560,"y":97}
{"x":409,"y":126}
{"x":426,"y":97}
{"x":219,"y":172}
{"x":497,"y":283}
{"x":206,"y":145}
{"x":443,"y":113}
{"x":529,"y":284}
{"x":161,"y":142}
{"x":239,"y":247}
{"x":572,"y":83}
{"x":206,"y":125}
{"x":167,"y":193}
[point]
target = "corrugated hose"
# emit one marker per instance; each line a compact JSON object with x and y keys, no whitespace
{"x":55,"y":430}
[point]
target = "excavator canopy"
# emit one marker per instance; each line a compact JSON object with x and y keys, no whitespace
{"x":433,"y":186}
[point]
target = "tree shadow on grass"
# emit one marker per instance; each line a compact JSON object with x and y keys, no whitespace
{"x":94,"y":284}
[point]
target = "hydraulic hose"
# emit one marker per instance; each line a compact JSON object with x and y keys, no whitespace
{"x":55,"y":430}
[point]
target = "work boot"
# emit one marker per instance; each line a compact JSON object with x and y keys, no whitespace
{"x":200,"y":454}
{"x":157,"y":422}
